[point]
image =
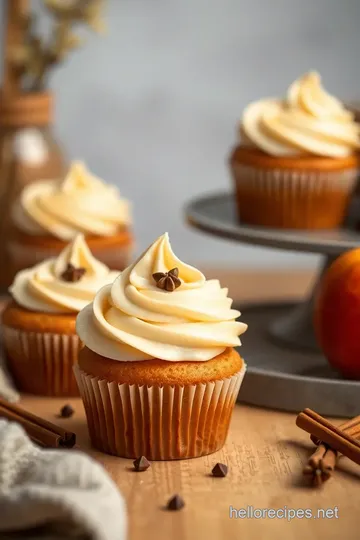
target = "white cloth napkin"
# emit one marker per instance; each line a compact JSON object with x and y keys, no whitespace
{"x":55,"y":494}
{"x":7,"y":388}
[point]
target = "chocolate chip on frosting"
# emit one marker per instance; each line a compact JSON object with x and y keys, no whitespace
{"x":169,"y":281}
{"x":72,"y":274}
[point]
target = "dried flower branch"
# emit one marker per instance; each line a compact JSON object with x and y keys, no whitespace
{"x":35,"y":58}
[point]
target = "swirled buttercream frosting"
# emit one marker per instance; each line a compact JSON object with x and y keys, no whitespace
{"x":65,"y":284}
{"x":80,"y":202}
{"x":142,"y":315}
{"x":307,"y":121}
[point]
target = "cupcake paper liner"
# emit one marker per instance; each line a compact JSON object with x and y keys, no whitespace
{"x":298,"y":199}
{"x":159,"y":422}
{"x":42,"y":363}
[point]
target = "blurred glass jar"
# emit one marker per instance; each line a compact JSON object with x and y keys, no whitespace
{"x":28,"y":152}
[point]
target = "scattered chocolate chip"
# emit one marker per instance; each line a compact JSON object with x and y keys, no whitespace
{"x":220,"y":470}
{"x":169,"y":281}
{"x":72,"y":274}
{"x":66,"y":411}
{"x":141,"y":464}
{"x":175,"y":503}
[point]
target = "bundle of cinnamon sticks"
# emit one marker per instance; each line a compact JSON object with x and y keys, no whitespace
{"x":40,"y":431}
{"x":331,"y":441}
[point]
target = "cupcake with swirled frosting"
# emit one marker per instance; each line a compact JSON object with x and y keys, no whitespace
{"x":296,"y":162}
{"x":50,"y":213}
{"x":159,"y":375}
{"x":39,"y":322}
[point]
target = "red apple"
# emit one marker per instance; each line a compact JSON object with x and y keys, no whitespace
{"x":337,"y":314}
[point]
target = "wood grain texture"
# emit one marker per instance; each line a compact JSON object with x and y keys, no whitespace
{"x":265,"y":452}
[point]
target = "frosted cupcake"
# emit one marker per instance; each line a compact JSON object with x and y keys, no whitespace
{"x":158,"y":374}
{"x":49,"y":214}
{"x":39,"y":323}
{"x":296,"y":164}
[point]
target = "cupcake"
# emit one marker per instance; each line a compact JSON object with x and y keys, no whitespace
{"x":296,"y":165}
{"x":158,"y":374}
{"x":49,"y":214}
{"x":38,"y":324}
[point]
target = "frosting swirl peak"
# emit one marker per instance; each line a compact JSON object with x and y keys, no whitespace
{"x":133,"y":319}
{"x":307,"y":121}
{"x":44,"y":287}
{"x":80,"y":202}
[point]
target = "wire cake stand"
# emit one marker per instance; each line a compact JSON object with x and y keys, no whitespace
{"x":286,"y":370}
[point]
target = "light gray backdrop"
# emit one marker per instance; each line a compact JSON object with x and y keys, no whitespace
{"x":154,"y":104}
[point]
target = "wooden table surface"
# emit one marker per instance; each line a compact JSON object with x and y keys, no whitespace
{"x":265,"y":453}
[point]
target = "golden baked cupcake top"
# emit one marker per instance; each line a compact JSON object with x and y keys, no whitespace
{"x":65,"y":284}
{"x":80,"y":202}
{"x":307,"y":121}
{"x":160,"y":307}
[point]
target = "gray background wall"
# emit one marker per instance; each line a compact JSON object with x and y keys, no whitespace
{"x":154,"y":104}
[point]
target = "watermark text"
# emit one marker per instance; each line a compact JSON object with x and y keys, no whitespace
{"x":250,"y":512}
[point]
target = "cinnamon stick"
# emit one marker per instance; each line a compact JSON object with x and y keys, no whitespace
{"x":322,"y":462}
{"x":331,"y":435}
{"x":352,"y":427}
{"x":327,"y":464}
{"x":40,"y":431}
{"x":329,"y":461}
{"x":317,"y":456}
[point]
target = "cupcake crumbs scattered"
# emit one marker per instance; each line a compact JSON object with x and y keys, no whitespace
{"x":220,"y":470}
{"x":72,"y":274}
{"x":141,"y":464}
{"x":175,"y":503}
{"x":169,"y":281}
{"x":66,"y":411}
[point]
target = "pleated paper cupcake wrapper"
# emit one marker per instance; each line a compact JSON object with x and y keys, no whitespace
{"x":159,"y":422}
{"x":297,"y":199}
{"x":42,"y":363}
{"x":24,"y":256}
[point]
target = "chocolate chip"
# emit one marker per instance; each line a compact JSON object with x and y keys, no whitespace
{"x":169,"y":281}
{"x":175,"y":503}
{"x":72,"y":274}
{"x":141,"y":464}
{"x":66,"y":411}
{"x":220,"y":470}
